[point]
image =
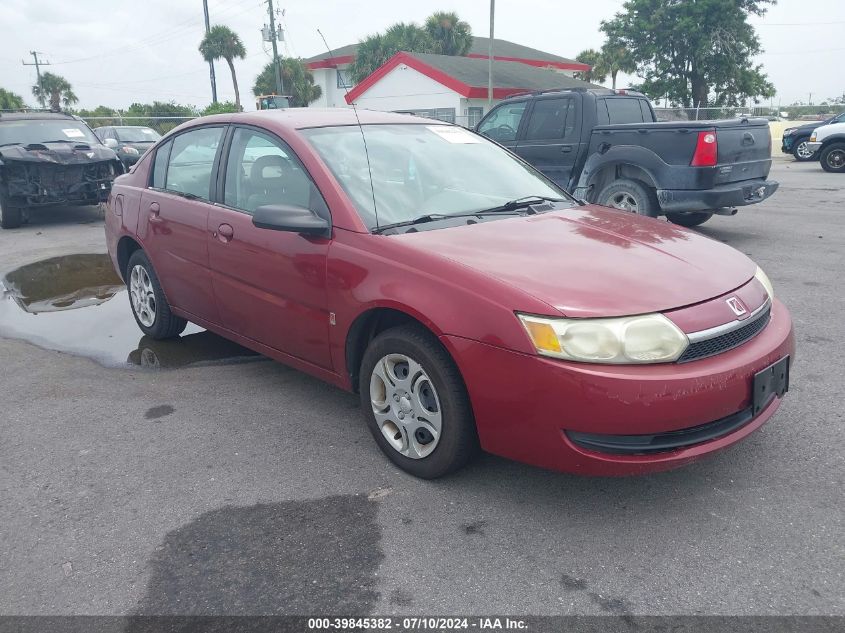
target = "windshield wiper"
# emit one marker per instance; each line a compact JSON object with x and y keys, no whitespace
{"x":434,"y":217}
{"x":522,"y":203}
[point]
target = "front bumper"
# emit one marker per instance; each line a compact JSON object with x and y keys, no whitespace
{"x":814,"y":146}
{"x":735,"y":194}
{"x":525,"y":406}
{"x":786,"y":144}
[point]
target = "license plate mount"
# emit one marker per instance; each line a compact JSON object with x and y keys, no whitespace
{"x":770,"y":382}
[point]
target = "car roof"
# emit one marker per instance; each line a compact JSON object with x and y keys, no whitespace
{"x":32,"y":116}
{"x":301,"y":118}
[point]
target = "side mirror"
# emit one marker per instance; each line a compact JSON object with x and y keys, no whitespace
{"x":283,"y":217}
{"x":110,"y":142}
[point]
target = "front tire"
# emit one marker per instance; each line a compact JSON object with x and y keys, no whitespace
{"x":689,"y":220}
{"x":416,"y":404}
{"x":630,"y":195}
{"x":833,"y":158}
{"x":149,"y":305}
{"x":10,"y":217}
{"x":801,"y":152}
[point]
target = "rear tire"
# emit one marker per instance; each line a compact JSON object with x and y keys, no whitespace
{"x":415,"y":403}
{"x":630,"y":195}
{"x":146,"y":298}
{"x":800,"y":151}
{"x":695,"y":218}
{"x":833,"y":158}
{"x":10,"y":217}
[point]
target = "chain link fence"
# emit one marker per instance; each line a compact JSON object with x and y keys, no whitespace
{"x":161,"y":124}
{"x":782,"y":113}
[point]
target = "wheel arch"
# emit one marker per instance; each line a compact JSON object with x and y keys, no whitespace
{"x":371,"y":322}
{"x":634,"y":163}
{"x":125,"y":247}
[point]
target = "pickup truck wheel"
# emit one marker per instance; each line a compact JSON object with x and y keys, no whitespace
{"x":630,"y":195}
{"x":833,"y":158}
{"x":689,"y":219}
{"x":10,"y":217}
{"x":149,"y":305}
{"x":415,"y":403}
{"x":801,"y":152}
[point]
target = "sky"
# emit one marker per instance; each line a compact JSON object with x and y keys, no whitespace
{"x":115,"y":52}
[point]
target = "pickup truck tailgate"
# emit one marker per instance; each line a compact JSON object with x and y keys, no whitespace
{"x":745,"y":150}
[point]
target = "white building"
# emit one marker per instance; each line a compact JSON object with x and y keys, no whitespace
{"x":442,"y":86}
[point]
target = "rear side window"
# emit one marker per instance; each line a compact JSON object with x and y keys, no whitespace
{"x":160,"y":165}
{"x":191,"y":161}
{"x":624,"y":110}
{"x":551,"y":119}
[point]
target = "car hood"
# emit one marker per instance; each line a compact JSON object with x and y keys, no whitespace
{"x":61,"y":153}
{"x":592,"y":262}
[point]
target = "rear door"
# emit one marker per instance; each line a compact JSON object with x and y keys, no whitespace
{"x":503,"y":122}
{"x":174,"y":218}
{"x":551,"y":137}
{"x":270,"y":285}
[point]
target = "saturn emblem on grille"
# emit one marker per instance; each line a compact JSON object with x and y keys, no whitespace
{"x":735,"y":305}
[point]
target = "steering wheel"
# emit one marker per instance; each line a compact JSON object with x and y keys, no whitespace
{"x":505,"y":129}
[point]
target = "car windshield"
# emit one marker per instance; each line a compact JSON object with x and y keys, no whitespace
{"x":420,"y":169}
{"x":137,"y":134}
{"x":26,"y":131}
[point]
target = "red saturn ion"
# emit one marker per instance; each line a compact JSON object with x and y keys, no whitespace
{"x":470,"y":301}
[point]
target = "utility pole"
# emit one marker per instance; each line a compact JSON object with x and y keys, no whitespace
{"x":38,"y":65}
{"x":210,"y":62}
{"x":277,"y":69}
{"x":490,"y":58}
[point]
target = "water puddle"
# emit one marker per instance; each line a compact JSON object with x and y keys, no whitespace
{"x":77,"y":304}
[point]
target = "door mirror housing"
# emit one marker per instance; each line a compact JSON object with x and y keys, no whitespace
{"x":283,"y":217}
{"x":110,"y":142}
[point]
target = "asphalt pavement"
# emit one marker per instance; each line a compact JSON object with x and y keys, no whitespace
{"x":234,"y":485}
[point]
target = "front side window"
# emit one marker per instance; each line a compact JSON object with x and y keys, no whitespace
{"x":420,"y":169}
{"x":191,"y":161}
{"x":503,"y":123}
{"x":263,"y":170}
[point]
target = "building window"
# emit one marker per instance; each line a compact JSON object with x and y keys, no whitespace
{"x":441,"y":114}
{"x":344,"y":78}
{"x":474,"y":115}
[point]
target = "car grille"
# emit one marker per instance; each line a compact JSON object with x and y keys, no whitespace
{"x":724,"y":342}
{"x":662,"y":442}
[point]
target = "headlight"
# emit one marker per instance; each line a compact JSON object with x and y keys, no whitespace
{"x":760,"y":276}
{"x":130,"y":150}
{"x":813,"y":137}
{"x":647,"y":338}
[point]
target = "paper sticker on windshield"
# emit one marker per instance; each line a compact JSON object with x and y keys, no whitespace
{"x":74,"y":133}
{"x":454,"y":134}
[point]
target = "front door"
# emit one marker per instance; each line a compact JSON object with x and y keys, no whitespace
{"x":270,"y":285}
{"x":174,"y":219}
{"x":551,"y":137}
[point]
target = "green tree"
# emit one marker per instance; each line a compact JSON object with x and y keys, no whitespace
{"x":615,"y":58}
{"x":55,"y":89}
{"x":10,"y":101}
{"x":221,"y":42}
{"x":99,"y":116}
{"x":449,"y":34}
{"x":297,"y":78}
{"x":592,"y":58}
{"x":221,"y":107}
{"x":160,"y":115}
{"x":696,"y":53}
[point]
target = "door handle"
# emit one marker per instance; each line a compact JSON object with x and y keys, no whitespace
{"x":566,"y":149}
{"x":224,"y":233}
{"x":155,"y":210}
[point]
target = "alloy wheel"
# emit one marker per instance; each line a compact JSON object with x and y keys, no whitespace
{"x":406,"y":406}
{"x":803,"y":151}
{"x":142,"y":295}
{"x":836,"y":159}
{"x":625,"y":201}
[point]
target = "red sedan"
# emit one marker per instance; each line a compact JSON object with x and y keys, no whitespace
{"x":470,"y":301}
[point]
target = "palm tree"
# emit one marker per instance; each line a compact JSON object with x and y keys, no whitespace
{"x":297,"y":78}
{"x":375,"y":50}
{"x":593,"y":59}
{"x":451,"y":35}
{"x":56,"y":90}
{"x":221,"y":42}
{"x":615,"y":58}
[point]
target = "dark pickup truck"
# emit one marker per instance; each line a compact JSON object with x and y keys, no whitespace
{"x":605,"y":146}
